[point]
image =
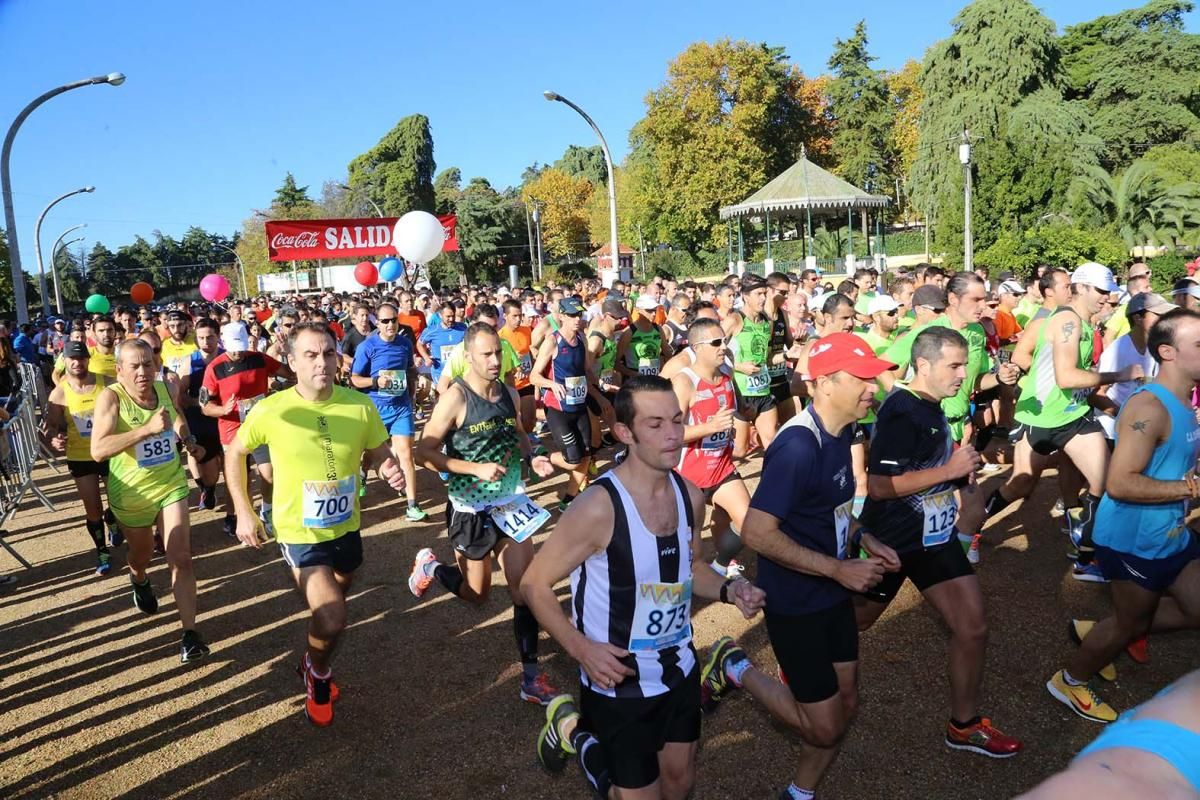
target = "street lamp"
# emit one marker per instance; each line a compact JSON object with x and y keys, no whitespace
{"x":37,"y":249}
{"x":241,"y":267}
{"x":53,"y":261}
{"x":347,"y":188}
{"x":612,"y":184}
{"x":964,"y":156}
{"x":10,"y":221}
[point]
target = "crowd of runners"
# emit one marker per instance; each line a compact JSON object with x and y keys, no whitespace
{"x":875,"y":406}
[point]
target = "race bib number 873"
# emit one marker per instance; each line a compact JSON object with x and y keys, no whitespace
{"x":662,"y":617}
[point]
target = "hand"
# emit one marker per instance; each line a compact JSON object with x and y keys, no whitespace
{"x":488,"y":472}
{"x":194,"y":450}
{"x":383,"y":381}
{"x":159,"y":421}
{"x":250,"y":531}
{"x":1008,"y":373}
{"x":1133,"y":372}
{"x":859,"y":574}
{"x":602,"y":662}
{"x":228,"y":406}
{"x":748,"y":598}
{"x":721,"y":421}
{"x":541,"y":466}
{"x":391,"y":472}
{"x":59,"y":442}
{"x":891,"y":561}
{"x":747,"y":368}
{"x":558,"y":390}
{"x":963,"y":462}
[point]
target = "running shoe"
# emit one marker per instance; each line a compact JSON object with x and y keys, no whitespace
{"x":143,"y":596}
{"x":538,"y":690}
{"x":982,"y":738}
{"x":565,"y":501}
{"x":318,"y":701}
{"x":115,"y":537}
{"x":552,"y":749}
{"x":540,"y":428}
{"x":1139,"y":650}
{"x":973,"y":549}
{"x":619,"y":456}
{"x":445,"y":476}
{"x":990,"y":469}
{"x":1059,"y":508}
{"x":1081,"y":699}
{"x":420,"y":578}
{"x":1077,"y":629}
{"x":265,"y":515}
{"x":714,"y":683}
{"x":159,"y":548}
{"x":607,"y":440}
{"x":208,"y":498}
{"x":230,"y":527}
{"x":415,"y":514}
{"x":192,"y":647}
{"x":593,"y":470}
{"x":102,"y":565}
{"x":1088,"y":573}
{"x":306,"y":667}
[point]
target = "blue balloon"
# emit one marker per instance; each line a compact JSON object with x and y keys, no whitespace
{"x":390,"y":269}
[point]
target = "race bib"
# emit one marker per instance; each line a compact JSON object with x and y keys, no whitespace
{"x":576,"y":390}
{"x":777,"y":370}
{"x":941,"y":512}
{"x":328,"y":503}
{"x":176,"y":365}
{"x":662,"y":617}
{"x":519,"y":518}
{"x":399,"y":379}
{"x":445,"y":352}
{"x":608,"y":377}
{"x":1079,"y":397}
{"x":719,"y":441}
{"x":83,"y":424}
{"x":244,"y":406}
{"x":526,"y":364}
{"x":649,"y":366}
{"x":155,"y":450}
{"x":841,"y":525}
{"x":759,"y":382}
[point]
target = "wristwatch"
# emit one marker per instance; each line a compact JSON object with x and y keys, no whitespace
{"x":189,"y":439}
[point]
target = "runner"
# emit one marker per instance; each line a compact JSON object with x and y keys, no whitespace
{"x":180,"y":344}
{"x":207,"y":470}
{"x":455,"y":365}
{"x":561,"y":372}
{"x":320,"y":434}
{"x":707,"y":396}
{"x":488,"y":513}
{"x":383,"y":365}
{"x":642,"y":348}
{"x":779,"y":286}
{"x":69,"y":416}
{"x":604,"y":379}
{"x":519,"y":337}
{"x":1054,"y":409}
{"x":134,"y":427}
{"x":438,"y":341}
{"x":686,"y":357}
{"x":1143,"y":544}
{"x":358,"y":332}
{"x":675,"y":328}
{"x":637,"y":724}
{"x":913,"y":474}
{"x":748,"y":332}
{"x":103,"y":360}
{"x":801,"y":525}
{"x":234,"y":382}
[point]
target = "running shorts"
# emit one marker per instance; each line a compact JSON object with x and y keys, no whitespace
{"x":1045,"y":441}
{"x":925,"y":568}
{"x":751,"y":407}
{"x":808,"y":645}
{"x":1152,"y":574}
{"x":343,"y":554}
{"x":572,"y":431}
{"x":82,"y":468}
{"x":472,"y":534}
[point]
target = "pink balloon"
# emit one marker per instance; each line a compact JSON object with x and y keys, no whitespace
{"x":214,"y":288}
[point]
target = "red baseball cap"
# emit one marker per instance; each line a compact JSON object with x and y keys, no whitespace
{"x":845,"y":352}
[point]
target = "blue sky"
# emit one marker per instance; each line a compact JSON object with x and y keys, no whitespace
{"x":223,"y":98}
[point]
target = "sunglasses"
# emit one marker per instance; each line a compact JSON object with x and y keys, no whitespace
{"x":718,"y":342}
{"x":891,"y":313}
{"x":386,"y":320}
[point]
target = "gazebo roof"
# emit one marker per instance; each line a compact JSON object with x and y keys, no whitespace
{"x":804,"y":185}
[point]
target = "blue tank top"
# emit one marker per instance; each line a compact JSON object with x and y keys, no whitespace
{"x":1154,"y":530}
{"x":568,"y":367}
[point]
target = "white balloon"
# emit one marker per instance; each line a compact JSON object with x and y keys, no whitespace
{"x":418,"y":237}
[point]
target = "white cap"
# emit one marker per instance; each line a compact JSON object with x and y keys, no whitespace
{"x":1012,"y":287}
{"x":1093,"y":274}
{"x":234,"y":338}
{"x":817,"y":300}
{"x":882,"y":303}
{"x":646,"y":302}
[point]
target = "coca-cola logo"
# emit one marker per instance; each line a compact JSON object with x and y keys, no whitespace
{"x":305,"y":239}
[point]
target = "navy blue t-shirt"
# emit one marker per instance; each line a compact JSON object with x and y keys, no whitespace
{"x":807,"y":482}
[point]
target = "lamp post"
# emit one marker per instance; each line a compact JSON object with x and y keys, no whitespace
{"x":346,"y":187}
{"x":964,"y":155}
{"x":615,"y":253}
{"x":37,"y":248}
{"x":53,"y":261}
{"x":10,"y":222}
{"x":241,"y":267}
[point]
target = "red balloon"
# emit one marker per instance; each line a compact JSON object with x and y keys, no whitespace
{"x":366,"y":273}
{"x":141,"y":293}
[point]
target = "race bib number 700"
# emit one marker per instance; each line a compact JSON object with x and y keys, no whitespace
{"x":328,"y":503}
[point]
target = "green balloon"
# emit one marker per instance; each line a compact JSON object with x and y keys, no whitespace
{"x":97,"y":304}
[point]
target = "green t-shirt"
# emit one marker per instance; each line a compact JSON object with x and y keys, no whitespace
{"x":1025,"y":309}
{"x":864,"y":301}
{"x":752,"y":344}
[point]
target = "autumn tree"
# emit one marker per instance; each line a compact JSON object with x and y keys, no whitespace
{"x":563,"y":201}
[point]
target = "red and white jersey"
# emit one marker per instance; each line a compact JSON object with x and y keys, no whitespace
{"x":708,"y":461}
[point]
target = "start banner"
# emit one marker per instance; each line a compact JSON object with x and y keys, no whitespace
{"x":310,"y":239}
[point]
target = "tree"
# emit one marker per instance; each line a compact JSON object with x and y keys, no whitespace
{"x":1177,"y":163}
{"x":813,"y":96}
{"x":1137,"y":204}
{"x":99,"y":275}
{"x":447,"y":188}
{"x":487,"y":225}
{"x":629,"y":211}
{"x":563,"y":201}
{"x":289,"y":196}
{"x":727,"y":119}
{"x":70,"y":276}
{"x":586,"y":162}
{"x":397,"y":173}
{"x":860,"y":104}
{"x":904,"y":87}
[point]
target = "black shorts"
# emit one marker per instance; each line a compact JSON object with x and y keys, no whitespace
{"x":1046,"y":441}
{"x":572,"y":431}
{"x":750,"y":407}
{"x":207,"y":436}
{"x":343,"y":554}
{"x":983,"y":398}
{"x":781,"y":389}
{"x":83,"y":468}
{"x":709,"y":491}
{"x":925,"y":568}
{"x":633,"y":730}
{"x":527,"y":391}
{"x":473,"y":535}
{"x":808,"y":645}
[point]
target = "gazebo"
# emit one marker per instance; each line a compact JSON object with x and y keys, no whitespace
{"x":800,"y":192}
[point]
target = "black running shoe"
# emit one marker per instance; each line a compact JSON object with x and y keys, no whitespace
{"x":208,"y":498}
{"x":553,"y":750}
{"x":192,"y":647}
{"x":230,"y":527}
{"x":143,"y":597}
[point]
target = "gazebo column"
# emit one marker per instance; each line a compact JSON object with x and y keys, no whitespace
{"x":741,"y":244}
{"x":810,"y":258}
{"x":849,"y":239}
{"x":765,"y":270}
{"x":729,"y":240}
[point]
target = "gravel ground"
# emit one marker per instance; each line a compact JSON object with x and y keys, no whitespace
{"x":94,"y":702}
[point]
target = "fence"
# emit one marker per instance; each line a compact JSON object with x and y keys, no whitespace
{"x":20,"y":448}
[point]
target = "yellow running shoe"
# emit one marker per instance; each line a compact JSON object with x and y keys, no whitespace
{"x":1080,"y":628}
{"x":1080,"y":699}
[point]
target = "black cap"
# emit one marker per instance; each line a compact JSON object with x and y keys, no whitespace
{"x":614,"y":306}
{"x":178,"y":315}
{"x":929,"y":295}
{"x":570,"y":306}
{"x":75,"y":349}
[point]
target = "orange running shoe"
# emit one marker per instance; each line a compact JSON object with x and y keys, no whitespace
{"x":1139,"y":650}
{"x":318,"y":705}
{"x":306,"y":667}
{"x":982,"y":738}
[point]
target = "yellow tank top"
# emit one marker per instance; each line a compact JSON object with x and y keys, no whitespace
{"x":79,"y":420}
{"x":154,"y":461}
{"x":100,"y":364}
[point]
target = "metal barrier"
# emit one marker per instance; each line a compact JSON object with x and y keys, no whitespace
{"x":20,"y":448}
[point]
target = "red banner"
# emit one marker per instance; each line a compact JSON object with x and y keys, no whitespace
{"x":310,"y":239}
